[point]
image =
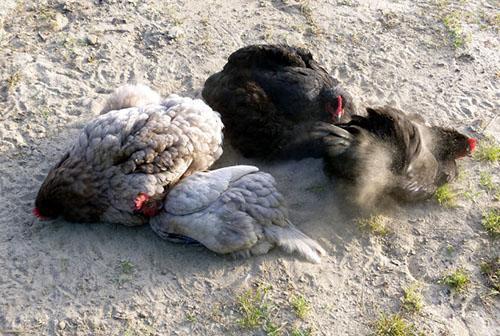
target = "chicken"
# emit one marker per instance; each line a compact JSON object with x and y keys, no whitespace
{"x":131,"y":96}
{"x":391,"y":152}
{"x":124,"y":161}
{"x":232,"y":210}
{"x":269,"y":97}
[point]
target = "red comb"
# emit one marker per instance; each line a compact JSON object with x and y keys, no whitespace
{"x":339,"y":106}
{"x":472,"y":144}
{"x":37,"y":214}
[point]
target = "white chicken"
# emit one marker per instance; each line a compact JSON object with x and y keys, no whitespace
{"x":232,"y":210}
{"x":124,"y":161}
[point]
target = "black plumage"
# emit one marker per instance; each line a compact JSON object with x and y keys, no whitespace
{"x":389,"y":152}
{"x":270,"y":96}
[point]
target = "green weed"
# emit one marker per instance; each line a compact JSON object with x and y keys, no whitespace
{"x":394,"y":325}
{"x":301,"y":306}
{"x":491,"y":222}
{"x":255,"y":307}
{"x":375,"y":224}
{"x":458,"y":280}
{"x":445,"y":196}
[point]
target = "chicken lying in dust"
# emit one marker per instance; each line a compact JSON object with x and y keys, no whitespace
{"x":390,"y":152}
{"x":232,"y":210}
{"x":124,"y":161}
{"x":270,"y":96}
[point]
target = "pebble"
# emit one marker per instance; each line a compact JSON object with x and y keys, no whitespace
{"x":92,"y":40}
{"x":117,"y":21}
{"x":61,"y":325}
{"x":60,"y":21}
{"x":174,"y":33}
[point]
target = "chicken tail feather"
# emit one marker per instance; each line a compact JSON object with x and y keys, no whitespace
{"x":130,"y":96}
{"x":291,"y":240}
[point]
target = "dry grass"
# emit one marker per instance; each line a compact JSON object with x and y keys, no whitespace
{"x":491,"y":271}
{"x":13,"y":80}
{"x":412,"y":299}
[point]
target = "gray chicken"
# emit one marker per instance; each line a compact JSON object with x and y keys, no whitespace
{"x":232,"y":210}
{"x":125,"y":160}
{"x":130,"y":95}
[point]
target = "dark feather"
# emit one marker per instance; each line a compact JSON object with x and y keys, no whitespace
{"x":269,"y":97}
{"x":420,"y":158}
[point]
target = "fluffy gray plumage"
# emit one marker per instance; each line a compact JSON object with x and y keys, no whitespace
{"x":131,"y":96}
{"x":129,"y":151}
{"x":233,"y":210}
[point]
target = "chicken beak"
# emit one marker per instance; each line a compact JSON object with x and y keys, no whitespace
{"x":339,"y":116}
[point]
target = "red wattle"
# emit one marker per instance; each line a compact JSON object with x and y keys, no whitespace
{"x":140,"y":200}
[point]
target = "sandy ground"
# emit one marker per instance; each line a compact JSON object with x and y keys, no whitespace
{"x":58,"y":60}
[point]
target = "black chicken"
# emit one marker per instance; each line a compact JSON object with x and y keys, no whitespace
{"x":270,"y":96}
{"x":389,"y":152}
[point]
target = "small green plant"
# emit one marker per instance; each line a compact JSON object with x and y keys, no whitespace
{"x":255,"y":307}
{"x":491,"y":270}
{"x":488,"y":150}
{"x":471,"y":195}
{"x":126,"y":267}
{"x":125,"y":271}
{"x":394,"y":325}
{"x":141,"y":331}
{"x":486,"y":180}
{"x":300,"y":306}
{"x":375,"y":224}
{"x":191,"y":317}
{"x":45,"y":112}
{"x":301,"y":332}
{"x":452,"y":22}
{"x":458,"y":280}
{"x":272,"y":329}
{"x":445,"y":196}
{"x":412,"y":299}
{"x":491,"y":222}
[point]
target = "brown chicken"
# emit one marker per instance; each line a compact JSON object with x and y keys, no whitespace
{"x":125,"y":160}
